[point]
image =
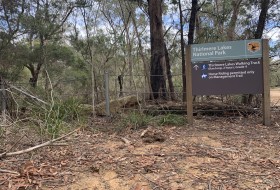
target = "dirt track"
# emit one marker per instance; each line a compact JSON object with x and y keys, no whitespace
{"x":218,"y":153}
{"x":275,"y":96}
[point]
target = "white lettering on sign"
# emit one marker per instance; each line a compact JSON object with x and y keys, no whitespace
{"x":255,"y":62}
{"x":223,"y":47}
{"x":226,"y":70}
{"x":233,"y":50}
{"x":220,"y":52}
{"x":210,"y":51}
{"x":205,"y":49}
{"x":203,"y":54}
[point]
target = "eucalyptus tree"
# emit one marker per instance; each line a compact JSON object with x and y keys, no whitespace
{"x":11,"y":12}
{"x":118,"y":19}
{"x":258,"y":33}
{"x":140,"y":27}
{"x":233,"y":20}
{"x":182,"y":51}
{"x":44,"y":23}
{"x":160,"y":63}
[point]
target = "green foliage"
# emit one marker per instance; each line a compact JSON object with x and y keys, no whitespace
{"x":138,"y":120}
{"x":275,"y":79}
{"x":275,"y":73}
{"x":59,"y":114}
{"x":12,"y":60}
{"x":135,"y":120}
{"x":172,"y":119}
{"x":39,"y":36}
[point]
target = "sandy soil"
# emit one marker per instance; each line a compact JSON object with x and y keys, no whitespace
{"x":217,"y":153}
{"x":275,"y":96}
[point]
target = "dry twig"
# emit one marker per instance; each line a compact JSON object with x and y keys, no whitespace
{"x":9,"y":171}
{"x":9,"y":154}
{"x":28,"y":95}
{"x":151,"y":181}
{"x":217,"y":148}
{"x":126,"y":141}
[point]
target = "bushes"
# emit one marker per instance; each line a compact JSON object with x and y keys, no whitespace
{"x":172,"y":119}
{"x":135,"y":120}
{"x":138,"y":120}
{"x":60,"y":114}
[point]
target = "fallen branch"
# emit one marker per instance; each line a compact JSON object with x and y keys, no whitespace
{"x":59,"y":144}
{"x":9,"y":171}
{"x":48,"y":143}
{"x":126,"y":141}
{"x":29,"y":95}
{"x":217,"y":148}
{"x":161,"y":155}
{"x":144,"y":132}
{"x":12,"y":146}
{"x":151,"y":181}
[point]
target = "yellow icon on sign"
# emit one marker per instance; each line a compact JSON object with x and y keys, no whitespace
{"x":254,"y":46}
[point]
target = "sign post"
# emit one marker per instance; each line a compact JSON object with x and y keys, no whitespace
{"x":266,"y":84}
{"x":189,"y":85}
{"x":235,"y":67}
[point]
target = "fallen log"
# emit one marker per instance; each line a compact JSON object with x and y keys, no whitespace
{"x":115,"y":105}
{"x":212,"y":109}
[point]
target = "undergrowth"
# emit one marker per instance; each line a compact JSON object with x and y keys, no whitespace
{"x":172,"y":119}
{"x":58,"y":117}
{"x":137,"y":120}
{"x":134,"y":120}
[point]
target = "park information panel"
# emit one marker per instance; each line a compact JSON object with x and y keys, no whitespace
{"x":233,"y":67}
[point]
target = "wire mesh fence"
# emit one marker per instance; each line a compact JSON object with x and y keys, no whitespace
{"x":20,"y":95}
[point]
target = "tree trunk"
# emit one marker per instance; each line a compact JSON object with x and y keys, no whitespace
{"x":262,"y":19}
{"x":158,"y":82}
{"x":183,"y":53}
{"x":258,"y":34}
{"x":141,"y":52}
{"x":169,"y":75}
{"x":192,"y":23}
{"x":34,"y":79}
{"x":232,"y":23}
{"x":129,"y":54}
{"x":120,"y":79}
{"x":35,"y":72}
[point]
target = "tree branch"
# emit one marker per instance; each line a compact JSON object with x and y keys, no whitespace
{"x":48,"y":143}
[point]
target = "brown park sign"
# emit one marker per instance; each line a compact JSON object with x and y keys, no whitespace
{"x":227,"y":77}
{"x":227,"y":67}
{"x":234,"y":67}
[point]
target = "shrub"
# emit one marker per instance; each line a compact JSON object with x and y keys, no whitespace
{"x":172,"y":119}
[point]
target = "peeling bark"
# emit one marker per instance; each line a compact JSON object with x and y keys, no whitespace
{"x":158,"y":82}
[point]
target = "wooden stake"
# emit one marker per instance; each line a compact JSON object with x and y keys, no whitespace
{"x":266,"y":84}
{"x":189,"y":85}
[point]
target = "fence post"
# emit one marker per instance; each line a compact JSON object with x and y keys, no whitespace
{"x":3,"y":98}
{"x":189,"y":85}
{"x":266,"y":84}
{"x":107,"y":96}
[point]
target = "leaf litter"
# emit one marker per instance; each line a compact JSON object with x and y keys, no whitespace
{"x":215,"y":154}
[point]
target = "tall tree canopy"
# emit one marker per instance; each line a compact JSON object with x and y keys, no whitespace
{"x":130,"y":38}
